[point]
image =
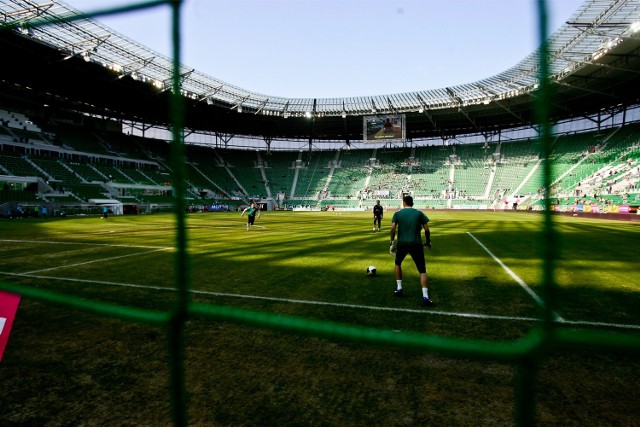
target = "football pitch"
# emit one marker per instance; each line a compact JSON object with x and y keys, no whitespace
{"x":65,"y":365}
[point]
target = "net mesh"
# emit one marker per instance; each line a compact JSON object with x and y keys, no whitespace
{"x":525,"y":353}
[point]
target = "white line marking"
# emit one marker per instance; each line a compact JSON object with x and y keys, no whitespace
{"x":82,"y":243}
{"x":515,"y":277}
{"x":94,"y":261}
{"x":330,"y":304}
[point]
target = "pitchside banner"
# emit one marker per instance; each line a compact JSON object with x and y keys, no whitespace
{"x":8,"y":308}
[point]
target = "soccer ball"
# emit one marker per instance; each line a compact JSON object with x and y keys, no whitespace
{"x":371,"y":270}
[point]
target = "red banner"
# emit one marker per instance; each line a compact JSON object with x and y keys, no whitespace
{"x":8,"y":308}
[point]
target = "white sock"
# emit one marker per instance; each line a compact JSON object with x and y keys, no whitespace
{"x":425,"y":292}
{"x":399,"y":282}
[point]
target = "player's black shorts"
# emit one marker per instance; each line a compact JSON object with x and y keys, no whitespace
{"x":251,"y":219}
{"x":417,"y":254}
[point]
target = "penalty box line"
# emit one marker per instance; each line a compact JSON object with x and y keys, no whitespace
{"x":155,"y":249}
{"x":96,"y":260}
{"x":275,"y":299}
{"x":331,"y":304}
{"x":515,"y":277}
{"x":111,"y":245}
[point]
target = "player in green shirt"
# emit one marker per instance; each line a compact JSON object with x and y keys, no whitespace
{"x":408,"y":223}
{"x":251,"y":214}
{"x":377,"y":216}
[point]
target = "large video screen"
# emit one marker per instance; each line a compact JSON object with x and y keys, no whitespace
{"x":382,"y":128}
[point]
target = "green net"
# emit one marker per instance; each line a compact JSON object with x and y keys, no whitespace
{"x":526,"y":353}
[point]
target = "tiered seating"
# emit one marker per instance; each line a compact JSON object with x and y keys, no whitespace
{"x":396,"y":157}
{"x":141,"y":176}
{"x":87,"y":172}
{"x":114,"y":174}
{"x":313,"y":176}
{"x":472,"y":175}
{"x":279,"y":171}
{"x":20,"y":128}
{"x":86,"y":191}
{"x":121,"y":145}
{"x":78,"y":139}
{"x":349,"y":179}
{"x":217,"y":174}
{"x":602,"y":166}
{"x":62,"y":198}
{"x":141,"y":195}
{"x":390,"y":173}
{"x":203,"y":160}
{"x":569,"y":151}
{"x":617,"y":145}
{"x":54,"y":168}
{"x":517,"y":160}
{"x":154,"y":148}
{"x":388,"y":177}
{"x":5,"y":133}
{"x":347,"y":182}
{"x":535,"y":183}
{"x":243,"y":165}
{"x":157,"y":176}
{"x":431,"y":204}
{"x":24,"y":135}
{"x":17,"y":196}
{"x":430,"y":176}
{"x":19,"y":166}
{"x":157,"y":199}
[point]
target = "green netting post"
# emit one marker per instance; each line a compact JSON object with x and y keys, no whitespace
{"x":178,"y":316}
{"x":525,"y":406}
{"x":543,"y":118}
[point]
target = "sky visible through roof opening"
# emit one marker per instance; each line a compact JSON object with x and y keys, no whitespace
{"x":343,"y":48}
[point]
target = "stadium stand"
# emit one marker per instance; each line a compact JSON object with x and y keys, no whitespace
{"x":313,"y":170}
{"x":79,"y":164}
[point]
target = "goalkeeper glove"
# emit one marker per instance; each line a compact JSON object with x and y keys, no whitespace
{"x":427,"y":244}
{"x":393,"y":247}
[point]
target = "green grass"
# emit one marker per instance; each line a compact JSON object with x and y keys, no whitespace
{"x":70,"y":367}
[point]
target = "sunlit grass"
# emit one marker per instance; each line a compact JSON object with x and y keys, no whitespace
{"x":324,"y":256}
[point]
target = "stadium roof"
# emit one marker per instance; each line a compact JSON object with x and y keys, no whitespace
{"x":594,"y":63}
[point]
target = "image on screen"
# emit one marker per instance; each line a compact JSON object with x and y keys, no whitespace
{"x":383,"y":128}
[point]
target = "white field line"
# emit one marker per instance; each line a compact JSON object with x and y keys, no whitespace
{"x":49,"y":242}
{"x":328,"y":304}
{"x":96,"y":260}
{"x":515,"y":277}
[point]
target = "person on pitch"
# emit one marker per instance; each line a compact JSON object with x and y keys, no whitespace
{"x":377,"y":216}
{"x":408,"y":223}
{"x":251,"y":214}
